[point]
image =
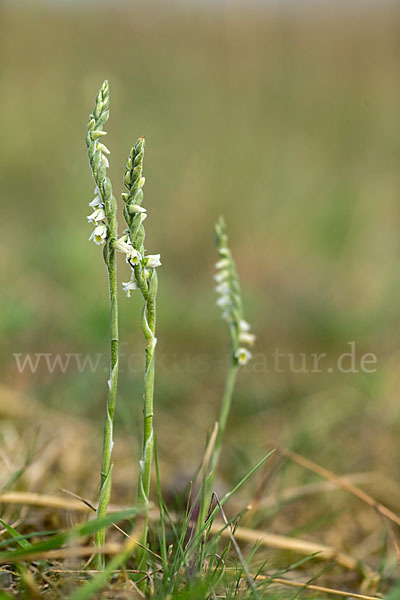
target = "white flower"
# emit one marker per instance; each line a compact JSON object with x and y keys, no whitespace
{"x":96,"y":202}
{"x":134,"y":257}
{"x":129,"y":286}
{"x":243,"y":356}
{"x":152,"y":260}
{"x":123,"y":245}
{"x":99,"y":234}
{"x":221,"y":276}
{"x":226,"y":316}
{"x":224,"y":301}
{"x":104,"y":160}
{"x":244,"y":325}
{"x":223,"y":263}
{"x":223,"y":288}
{"x":97,"y":215}
{"x":247,"y":338}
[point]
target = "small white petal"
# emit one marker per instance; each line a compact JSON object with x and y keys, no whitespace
{"x":152,"y":260}
{"x":223,"y":288}
{"x":129,"y":286}
{"x":243,"y":356}
{"x":247,"y":338}
{"x":226,"y":316}
{"x":123,"y":245}
{"x":244,"y":325}
{"x":221,"y":276}
{"x":224,"y":301}
{"x":96,"y":202}
{"x":104,"y":160}
{"x":134,"y":257}
{"x":223,"y":263}
{"x":97,"y":215}
{"x":99,"y":234}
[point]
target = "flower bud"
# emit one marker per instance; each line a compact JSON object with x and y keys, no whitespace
{"x":96,"y":133}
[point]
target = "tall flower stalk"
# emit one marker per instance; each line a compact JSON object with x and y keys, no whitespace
{"x":104,"y":217}
{"x":230,"y":301}
{"x":143,"y":278}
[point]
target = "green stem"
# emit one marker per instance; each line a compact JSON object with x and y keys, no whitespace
{"x":223,"y":416}
{"x":148,"y":436}
{"x":106,"y":465}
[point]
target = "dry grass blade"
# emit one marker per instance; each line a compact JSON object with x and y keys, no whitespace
{"x":72,"y":552}
{"x":77,"y":497}
{"x":48,"y":501}
{"x":309,"y":489}
{"x":281,"y":542}
{"x":207,"y":454}
{"x":341,"y":482}
{"x":319,"y":588}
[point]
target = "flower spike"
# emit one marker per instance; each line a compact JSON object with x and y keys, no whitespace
{"x":230,"y":299}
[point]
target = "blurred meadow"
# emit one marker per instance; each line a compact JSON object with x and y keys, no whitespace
{"x":286,"y":122}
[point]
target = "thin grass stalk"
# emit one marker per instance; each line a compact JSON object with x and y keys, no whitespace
{"x":105,"y":219}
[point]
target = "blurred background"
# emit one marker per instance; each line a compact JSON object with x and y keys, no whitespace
{"x":282,"y":116}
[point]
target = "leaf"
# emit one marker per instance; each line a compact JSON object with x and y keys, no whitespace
{"x":14,"y":533}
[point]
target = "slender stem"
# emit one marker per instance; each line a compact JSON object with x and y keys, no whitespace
{"x":148,"y":436}
{"x":106,"y":465}
{"x":223,"y":416}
